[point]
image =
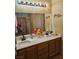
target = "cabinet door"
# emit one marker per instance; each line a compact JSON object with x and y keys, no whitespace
{"x":43,"y":50}
{"x":58,"y":45}
{"x":31,"y":53}
{"x":52,"y":47}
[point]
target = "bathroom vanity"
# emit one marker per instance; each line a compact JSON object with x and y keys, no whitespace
{"x":39,"y":48}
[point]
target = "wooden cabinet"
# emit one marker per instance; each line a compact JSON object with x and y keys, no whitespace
{"x":27,"y":53}
{"x":20,"y":54}
{"x":58,"y":45}
{"x":31,"y":52}
{"x":57,"y":57}
{"x":54,"y":47}
{"x":45,"y":50}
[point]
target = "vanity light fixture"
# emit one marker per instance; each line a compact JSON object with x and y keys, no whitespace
{"x":32,"y":4}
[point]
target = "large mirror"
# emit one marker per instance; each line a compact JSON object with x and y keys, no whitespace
{"x":29,"y":21}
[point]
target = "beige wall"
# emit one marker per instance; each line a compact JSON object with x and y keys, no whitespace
{"x":57,"y":8}
{"x":48,"y":22}
{"x":32,"y":9}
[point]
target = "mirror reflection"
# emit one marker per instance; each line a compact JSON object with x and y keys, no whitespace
{"x":26,"y":23}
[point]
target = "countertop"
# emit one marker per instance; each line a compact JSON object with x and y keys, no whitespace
{"x":29,"y":42}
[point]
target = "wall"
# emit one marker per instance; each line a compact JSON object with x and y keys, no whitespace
{"x":32,"y":9}
{"x":57,"y":8}
{"x":48,"y":22}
